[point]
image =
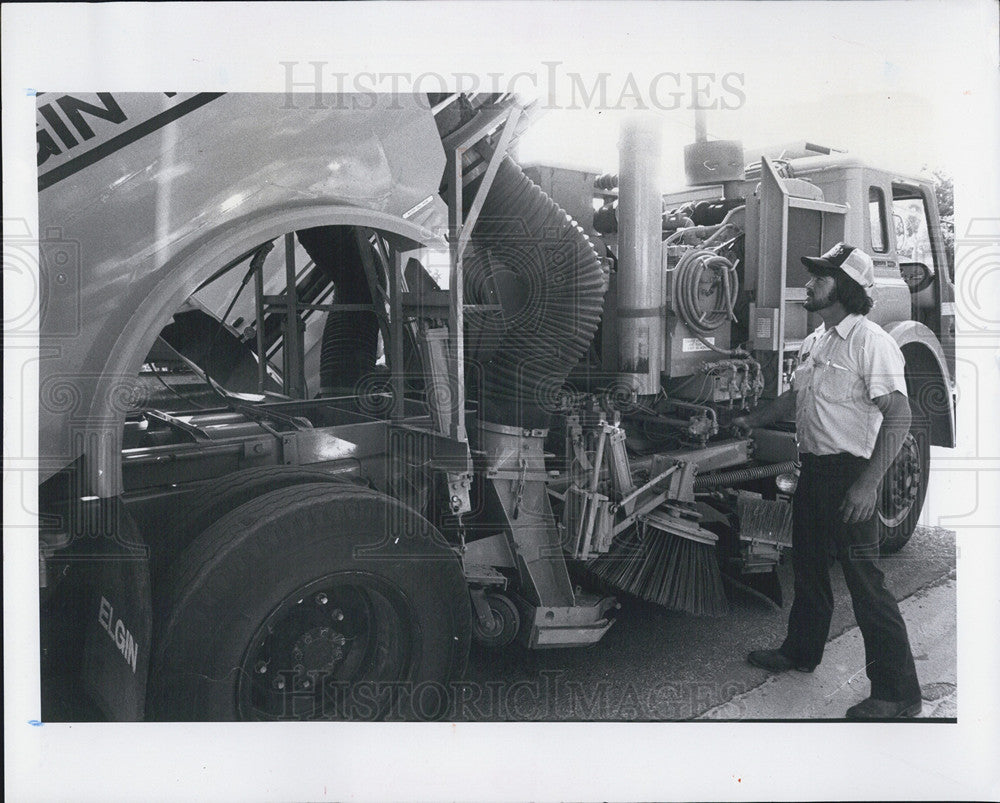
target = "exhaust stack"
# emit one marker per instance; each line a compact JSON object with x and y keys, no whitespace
{"x":640,"y":280}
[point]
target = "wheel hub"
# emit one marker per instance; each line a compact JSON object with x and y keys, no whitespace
{"x":318,"y":649}
{"x":901,"y":484}
{"x":502,"y":624}
{"x":331,"y":632}
{"x":490,"y":628}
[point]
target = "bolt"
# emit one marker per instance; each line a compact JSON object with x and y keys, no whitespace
{"x":261,"y":667}
{"x":338,"y":615}
{"x":305,"y":684}
{"x":322,"y":599}
{"x":279,"y":683}
{"x":307,"y":639}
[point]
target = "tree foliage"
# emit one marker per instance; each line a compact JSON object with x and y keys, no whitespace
{"x":944,"y":189}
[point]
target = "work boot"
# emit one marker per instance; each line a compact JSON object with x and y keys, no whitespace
{"x":875,"y":710}
{"x":776,"y":661}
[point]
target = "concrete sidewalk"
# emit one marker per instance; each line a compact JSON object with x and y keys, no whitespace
{"x":840,"y":681}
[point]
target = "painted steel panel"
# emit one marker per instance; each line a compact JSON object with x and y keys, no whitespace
{"x":133,"y":184}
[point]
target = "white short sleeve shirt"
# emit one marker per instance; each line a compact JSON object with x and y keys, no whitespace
{"x":840,"y":371}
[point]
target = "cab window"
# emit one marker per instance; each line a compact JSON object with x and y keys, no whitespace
{"x":913,"y":242}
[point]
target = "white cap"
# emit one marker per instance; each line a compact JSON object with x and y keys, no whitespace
{"x":852,"y":261}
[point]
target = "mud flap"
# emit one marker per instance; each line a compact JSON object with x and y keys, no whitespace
{"x":118,"y":620}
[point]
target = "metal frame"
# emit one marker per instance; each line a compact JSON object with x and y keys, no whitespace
{"x":506,"y":117}
{"x":293,"y":377}
{"x":460,"y":230}
{"x":461,"y":226}
{"x":288,"y":306}
{"x":771,"y":285}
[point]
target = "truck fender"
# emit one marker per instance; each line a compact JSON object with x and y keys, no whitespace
{"x":190,"y":267}
{"x":927,"y":379}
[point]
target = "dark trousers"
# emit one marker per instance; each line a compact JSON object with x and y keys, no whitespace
{"x":819,"y":536}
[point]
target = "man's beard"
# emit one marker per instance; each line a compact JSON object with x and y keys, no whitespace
{"x":817,"y":303}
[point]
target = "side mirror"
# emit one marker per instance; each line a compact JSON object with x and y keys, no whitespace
{"x":917,"y":275}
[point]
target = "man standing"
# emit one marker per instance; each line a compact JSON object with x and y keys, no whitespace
{"x":851,"y":416}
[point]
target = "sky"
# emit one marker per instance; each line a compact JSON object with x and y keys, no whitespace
{"x":891,"y":82}
{"x":556,"y":136}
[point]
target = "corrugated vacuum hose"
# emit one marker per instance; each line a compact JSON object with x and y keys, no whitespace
{"x":350,"y":338}
{"x":529,"y":256}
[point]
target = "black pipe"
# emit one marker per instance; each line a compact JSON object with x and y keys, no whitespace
{"x":350,"y":339}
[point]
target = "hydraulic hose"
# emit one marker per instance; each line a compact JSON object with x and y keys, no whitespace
{"x":686,"y":287}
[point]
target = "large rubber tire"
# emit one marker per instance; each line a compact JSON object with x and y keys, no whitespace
{"x":220,"y":497}
{"x":239,"y":488}
{"x":904,"y":487}
{"x":304,"y":604}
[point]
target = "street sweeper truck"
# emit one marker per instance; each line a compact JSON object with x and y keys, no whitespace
{"x":331,"y":386}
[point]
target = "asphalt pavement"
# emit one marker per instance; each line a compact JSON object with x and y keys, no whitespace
{"x":840,"y":681}
{"x":662,"y":665}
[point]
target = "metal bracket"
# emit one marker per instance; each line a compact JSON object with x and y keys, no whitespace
{"x":173,"y":421}
{"x":460,"y":230}
{"x":289,"y":450}
{"x":458,"y":494}
{"x":481,"y":607}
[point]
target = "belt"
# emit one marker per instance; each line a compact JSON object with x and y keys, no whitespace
{"x":808,"y":458}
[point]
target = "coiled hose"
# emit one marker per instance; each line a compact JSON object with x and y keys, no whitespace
{"x":543,"y":270}
{"x":686,"y":288}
